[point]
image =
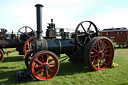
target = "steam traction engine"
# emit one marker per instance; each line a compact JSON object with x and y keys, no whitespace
{"x":21,"y":41}
{"x":85,"y":45}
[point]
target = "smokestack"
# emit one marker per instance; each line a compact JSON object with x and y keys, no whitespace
{"x":39,"y":20}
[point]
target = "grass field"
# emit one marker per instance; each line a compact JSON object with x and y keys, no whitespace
{"x":69,"y":74}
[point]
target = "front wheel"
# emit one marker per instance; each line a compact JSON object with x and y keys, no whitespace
{"x":99,"y":53}
{"x":44,"y":65}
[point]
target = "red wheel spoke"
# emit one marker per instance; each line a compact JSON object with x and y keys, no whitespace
{"x":38,"y":71}
{"x":47,"y":59}
{"x":42,"y":73}
{"x":28,"y":44}
{"x":100,"y":61}
{"x":92,"y":53}
{"x":51,"y":65}
{"x":94,"y":61}
{"x":31,"y":54}
{"x":39,"y":61}
{"x":27,"y":50}
{"x":42,"y":59}
{"x":95,"y":50}
{"x":103,"y":58}
{"x":102,"y":45}
{"x":30,"y":58}
{"x":107,"y":47}
{"x":94,"y":56}
{"x":98,"y":64}
{"x":50,"y":69}
{"x":99,"y":46}
{"x":103,"y":61}
{"x":106,"y":51}
{"x":37,"y":65}
{"x":47,"y":73}
{"x":51,"y":60}
{"x":107,"y":55}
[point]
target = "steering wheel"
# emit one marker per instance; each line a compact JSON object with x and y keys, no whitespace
{"x":24,"y":33}
{"x":87,"y":33}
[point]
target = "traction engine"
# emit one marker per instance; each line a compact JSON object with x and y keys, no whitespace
{"x":21,"y":41}
{"x":85,"y":45}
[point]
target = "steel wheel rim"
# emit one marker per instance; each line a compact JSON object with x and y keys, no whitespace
{"x":28,"y":45}
{"x":40,"y":71}
{"x":1,"y":56}
{"x":101,"y":55}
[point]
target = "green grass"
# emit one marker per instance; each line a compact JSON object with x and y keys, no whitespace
{"x":69,"y":74}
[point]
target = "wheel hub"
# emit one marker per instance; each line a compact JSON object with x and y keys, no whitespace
{"x":46,"y":66}
{"x":101,"y":54}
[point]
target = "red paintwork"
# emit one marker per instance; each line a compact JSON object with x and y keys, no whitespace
{"x":102,"y":54}
{"x":44,"y":74}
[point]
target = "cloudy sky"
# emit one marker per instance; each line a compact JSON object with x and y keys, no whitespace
{"x":66,"y":13}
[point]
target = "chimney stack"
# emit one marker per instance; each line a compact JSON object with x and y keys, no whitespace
{"x":39,"y":20}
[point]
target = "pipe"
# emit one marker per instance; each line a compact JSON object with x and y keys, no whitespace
{"x":39,"y":20}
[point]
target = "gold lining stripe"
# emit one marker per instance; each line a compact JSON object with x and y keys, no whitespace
{"x":60,"y":46}
{"x":73,"y":46}
{"x":46,"y":44}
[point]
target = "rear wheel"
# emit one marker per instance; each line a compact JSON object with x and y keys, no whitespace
{"x":44,"y":65}
{"x":99,"y":53}
{"x":1,"y":56}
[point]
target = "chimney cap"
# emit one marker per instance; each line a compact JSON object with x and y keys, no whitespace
{"x":39,"y":5}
